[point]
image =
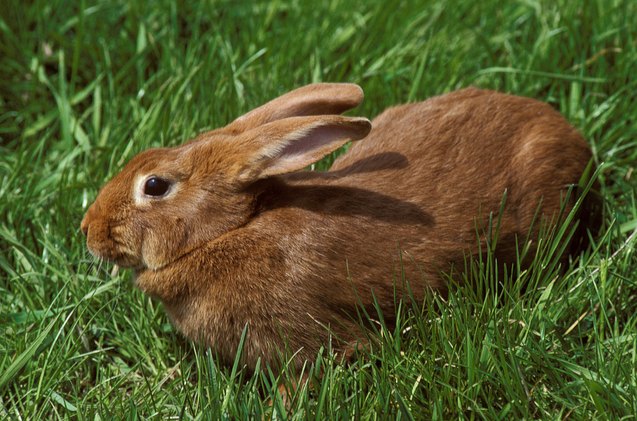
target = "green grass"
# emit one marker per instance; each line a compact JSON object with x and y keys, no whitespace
{"x":84,"y":86}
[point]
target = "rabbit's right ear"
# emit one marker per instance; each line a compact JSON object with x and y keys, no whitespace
{"x":315,"y":99}
{"x":292,"y":144}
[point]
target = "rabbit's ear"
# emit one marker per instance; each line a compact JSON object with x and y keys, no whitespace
{"x":292,"y":144}
{"x":315,"y":99}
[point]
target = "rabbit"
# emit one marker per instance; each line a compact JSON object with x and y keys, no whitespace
{"x":228,"y":230}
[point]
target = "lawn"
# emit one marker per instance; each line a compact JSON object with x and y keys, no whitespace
{"x":85,"y":85}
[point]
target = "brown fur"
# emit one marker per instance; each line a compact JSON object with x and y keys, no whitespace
{"x":248,"y":239}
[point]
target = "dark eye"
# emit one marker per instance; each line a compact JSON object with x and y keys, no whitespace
{"x":156,"y":186}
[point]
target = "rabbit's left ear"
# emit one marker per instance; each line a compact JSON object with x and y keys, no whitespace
{"x":292,"y":144}
{"x":315,"y":99}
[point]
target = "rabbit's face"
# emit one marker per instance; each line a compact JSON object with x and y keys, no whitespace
{"x":164,"y":204}
{"x":167,"y":202}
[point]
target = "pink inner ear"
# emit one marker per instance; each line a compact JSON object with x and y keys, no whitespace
{"x":316,"y":139}
{"x":306,"y":148}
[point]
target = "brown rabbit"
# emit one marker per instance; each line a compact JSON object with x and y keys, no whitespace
{"x":227,"y":231}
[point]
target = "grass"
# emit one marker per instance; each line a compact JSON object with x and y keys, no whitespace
{"x":85,"y":85}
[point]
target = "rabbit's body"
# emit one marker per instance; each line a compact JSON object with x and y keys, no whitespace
{"x":292,"y":256}
{"x":288,"y":275}
{"x":461,"y":152}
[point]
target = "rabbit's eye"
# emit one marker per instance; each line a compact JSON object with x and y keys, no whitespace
{"x":156,"y":186}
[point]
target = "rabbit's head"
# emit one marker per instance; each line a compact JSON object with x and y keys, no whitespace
{"x":167,"y":202}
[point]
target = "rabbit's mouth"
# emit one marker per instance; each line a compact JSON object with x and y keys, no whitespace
{"x":104,"y":245}
{"x":127,"y":261}
{"x":121,"y":259}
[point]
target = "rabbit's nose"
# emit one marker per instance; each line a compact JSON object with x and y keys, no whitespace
{"x":85,"y":224}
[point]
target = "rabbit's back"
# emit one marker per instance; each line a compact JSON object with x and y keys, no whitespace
{"x":456,"y":155}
